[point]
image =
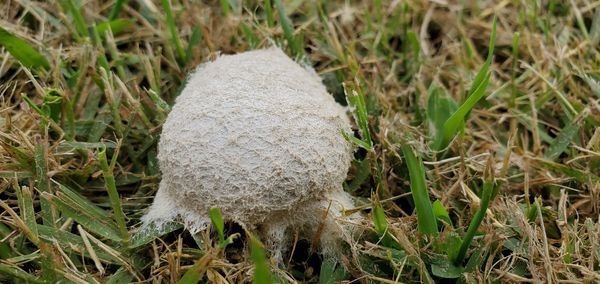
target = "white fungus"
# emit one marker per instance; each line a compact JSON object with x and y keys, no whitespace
{"x":258,"y":136}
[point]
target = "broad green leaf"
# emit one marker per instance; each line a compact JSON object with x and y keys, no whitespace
{"x":116,"y":26}
{"x":420,"y":194}
{"x":217,"y":220}
{"x":455,"y":122}
{"x":440,"y":107}
{"x":441,"y":213}
{"x":23,"y":52}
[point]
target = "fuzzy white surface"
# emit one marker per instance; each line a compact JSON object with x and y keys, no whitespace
{"x":258,"y":136}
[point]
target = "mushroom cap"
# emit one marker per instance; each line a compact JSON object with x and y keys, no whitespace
{"x":254,"y":134}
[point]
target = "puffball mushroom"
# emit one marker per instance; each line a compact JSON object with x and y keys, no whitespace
{"x":258,"y":136}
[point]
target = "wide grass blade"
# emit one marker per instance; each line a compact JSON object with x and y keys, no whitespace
{"x":23,"y":52}
{"x":217,"y":220}
{"x":455,"y":122}
{"x":440,"y":107}
{"x":418,"y":187}
{"x":262,"y":273}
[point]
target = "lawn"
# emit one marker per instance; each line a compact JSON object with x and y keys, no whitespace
{"x":477,"y":129}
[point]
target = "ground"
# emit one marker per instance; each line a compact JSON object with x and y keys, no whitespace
{"x":477,"y":125}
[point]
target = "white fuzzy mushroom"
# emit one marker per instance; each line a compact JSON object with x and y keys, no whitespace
{"x":258,"y":136}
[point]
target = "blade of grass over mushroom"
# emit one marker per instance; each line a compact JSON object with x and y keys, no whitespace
{"x":455,"y":122}
{"x":170,"y":22}
{"x":262,"y":273}
{"x":418,"y":187}
{"x":111,"y":188}
{"x":217,"y":221}
{"x":22,"y":51}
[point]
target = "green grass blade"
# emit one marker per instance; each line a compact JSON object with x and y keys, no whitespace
{"x":225,"y":7}
{"x":262,"y":273}
{"x":43,"y":184}
{"x":356,"y":101}
{"x":25,"y":199}
{"x":381,"y":226}
{"x":117,"y":26}
{"x":23,"y":52}
{"x":418,"y":186}
{"x":441,"y":213}
{"x":455,"y":122}
{"x":488,"y":189}
{"x":18,"y":273}
{"x":288,"y":30}
{"x":78,"y":19}
{"x":98,"y":224}
{"x":269,"y":13}
{"x":195,"y":38}
{"x":170,"y":22}
{"x":563,"y":140}
{"x":217,"y":220}
{"x":72,"y":243}
{"x":196,"y":272}
{"x":111,"y":188}
{"x":148,"y":234}
{"x":440,"y":107}
{"x":114,"y":12}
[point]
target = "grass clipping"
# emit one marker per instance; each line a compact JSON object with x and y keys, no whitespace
{"x":258,"y":136}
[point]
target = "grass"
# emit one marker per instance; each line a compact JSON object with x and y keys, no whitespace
{"x":478,"y":128}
